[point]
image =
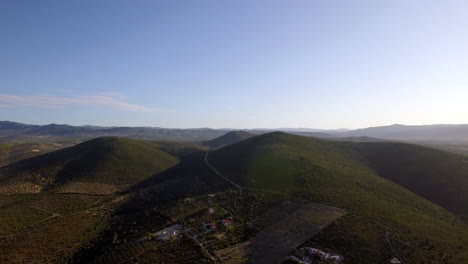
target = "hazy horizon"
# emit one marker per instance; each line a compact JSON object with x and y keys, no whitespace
{"x":242,"y":64}
{"x":241,"y":128}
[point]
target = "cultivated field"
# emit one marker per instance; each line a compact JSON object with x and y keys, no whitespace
{"x":93,"y":188}
{"x":284,"y":229}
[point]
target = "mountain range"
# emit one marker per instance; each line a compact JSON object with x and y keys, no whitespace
{"x":12,"y":131}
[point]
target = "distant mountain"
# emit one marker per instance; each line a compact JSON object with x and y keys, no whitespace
{"x":301,"y":129}
{"x":16,"y":132}
{"x":229,"y":138}
{"x":413,"y":133}
{"x":10,"y":128}
{"x":356,"y":139}
{"x":58,"y":130}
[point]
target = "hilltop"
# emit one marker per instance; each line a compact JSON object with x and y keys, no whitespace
{"x":108,"y":160}
{"x":227,"y":139}
{"x":384,"y":193}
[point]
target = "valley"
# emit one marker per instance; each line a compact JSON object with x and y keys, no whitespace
{"x":233,"y":132}
{"x":265,"y":199}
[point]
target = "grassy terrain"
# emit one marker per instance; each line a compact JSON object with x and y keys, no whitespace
{"x":48,"y":227}
{"x":350,"y":232}
{"x":436,"y":175}
{"x":102,"y":160}
{"x":181,"y":251}
{"x":77,"y":196}
{"x":53,"y":242}
{"x":325,"y":172}
{"x":10,"y":220}
{"x":157,"y":175}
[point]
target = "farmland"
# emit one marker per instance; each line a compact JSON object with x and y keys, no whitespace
{"x":37,"y":227}
{"x":283,"y":229}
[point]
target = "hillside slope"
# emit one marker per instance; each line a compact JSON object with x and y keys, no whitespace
{"x":106,"y":160}
{"x":227,"y":139}
{"x":436,"y":175}
{"x":324,"y":172}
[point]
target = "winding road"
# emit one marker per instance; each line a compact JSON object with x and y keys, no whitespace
{"x":388,"y":231}
{"x":219,"y":174}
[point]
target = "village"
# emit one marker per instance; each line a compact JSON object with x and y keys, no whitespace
{"x":308,"y":255}
{"x":205,"y":220}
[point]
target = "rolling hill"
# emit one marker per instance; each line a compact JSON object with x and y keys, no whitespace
{"x":227,"y":139}
{"x":393,"y":194}
{"x":10,"y":128}
{"x":436,"y":175}
{"x":332,"y":173}
{"x":108,"y":160}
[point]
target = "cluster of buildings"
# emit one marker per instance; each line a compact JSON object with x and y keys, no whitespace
{"x":172,"y":232}
{"x":212,"y":225}
{"x":308,"y":255}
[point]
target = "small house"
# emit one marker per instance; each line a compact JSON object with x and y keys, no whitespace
{"x":226,"y":222}
{"x":210,"y":226}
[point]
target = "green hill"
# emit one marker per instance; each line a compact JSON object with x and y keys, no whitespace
{"x":108,"y":160}
{"x":379,"y":185}
{"x":332,"y":173}
{"x":436,"y":175}
{"x":227,"y":139}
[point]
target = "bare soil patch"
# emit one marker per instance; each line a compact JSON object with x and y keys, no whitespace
{"x":91,"y":188}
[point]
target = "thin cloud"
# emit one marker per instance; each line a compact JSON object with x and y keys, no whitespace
{"x":49,"y":101}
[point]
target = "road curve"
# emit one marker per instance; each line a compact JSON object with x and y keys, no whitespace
{"x":219,"y":174}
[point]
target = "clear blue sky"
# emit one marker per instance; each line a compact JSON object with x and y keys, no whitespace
{"x":236,"y":64}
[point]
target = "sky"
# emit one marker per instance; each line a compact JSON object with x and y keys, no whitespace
{"x":234,"y":64}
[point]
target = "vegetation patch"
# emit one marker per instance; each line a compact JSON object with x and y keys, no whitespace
{"x":93,"y":188}
{"x":282,"y":229}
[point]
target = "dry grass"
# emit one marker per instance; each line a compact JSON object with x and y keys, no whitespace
{"x":16,"y":187}
{"x":91,"y":188}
